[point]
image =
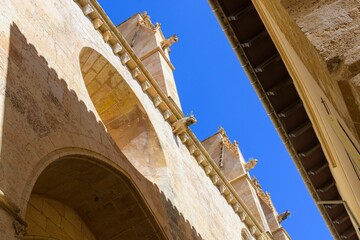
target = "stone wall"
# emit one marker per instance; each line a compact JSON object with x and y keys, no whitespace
{"x":49,"y":218}
{"x":326,"y":36}
{"x":47,"y":114}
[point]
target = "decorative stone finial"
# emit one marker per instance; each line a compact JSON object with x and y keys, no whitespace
{"x":157,"y":26}
{"x":145,"y":17}
{"x":256,"y":182}
{"x":221,"y":130}
{"x":145,"y":21}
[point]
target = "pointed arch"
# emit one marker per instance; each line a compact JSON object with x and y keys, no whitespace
{"x":78,"y":197}
{"x":123,"y":114}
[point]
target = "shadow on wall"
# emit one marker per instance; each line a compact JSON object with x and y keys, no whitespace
{"x":123,"y":115}
{"x":41,"y":115}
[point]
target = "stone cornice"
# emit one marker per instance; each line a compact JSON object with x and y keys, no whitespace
{"x":169,"y":110}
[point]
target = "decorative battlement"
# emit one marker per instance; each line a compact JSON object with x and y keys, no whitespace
{"x":265,"y":196}
{"x":146,"y":22}
{"x":233,"y":147}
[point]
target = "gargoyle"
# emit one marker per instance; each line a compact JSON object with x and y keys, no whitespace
{"x":281,"y":217}
{"x":180,"y":125}
{"x":250,"y":164}
{"x":169,"y":41}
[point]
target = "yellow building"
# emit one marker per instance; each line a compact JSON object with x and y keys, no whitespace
{"x":302,"y":58}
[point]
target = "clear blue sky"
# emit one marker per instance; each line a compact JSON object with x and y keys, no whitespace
{"x":212,"y":84}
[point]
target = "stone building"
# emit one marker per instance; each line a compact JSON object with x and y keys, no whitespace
{"x":94,"y":144}
{"x":302,"y":58}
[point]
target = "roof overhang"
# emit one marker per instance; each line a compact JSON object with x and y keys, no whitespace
{"x":268,"y":74}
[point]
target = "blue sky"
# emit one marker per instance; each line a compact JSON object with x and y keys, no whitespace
{"x":212,"y":84}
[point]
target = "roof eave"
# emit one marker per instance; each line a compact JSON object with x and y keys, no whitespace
{"x":227,"y":29}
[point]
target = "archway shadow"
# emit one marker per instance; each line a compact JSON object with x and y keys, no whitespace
{"x":123,"y":115}
{"x":42,"y":115}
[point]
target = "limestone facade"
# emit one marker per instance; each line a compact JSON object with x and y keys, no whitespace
{"x":87,"y":145}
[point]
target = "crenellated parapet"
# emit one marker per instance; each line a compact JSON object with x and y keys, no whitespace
{"x":233,"y":147}
{"x":265,"y":196}
{"x":146,"y":22}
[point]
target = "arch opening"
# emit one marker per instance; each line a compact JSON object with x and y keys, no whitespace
{"x":123,"y":115}
{"x":77,"y":198}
